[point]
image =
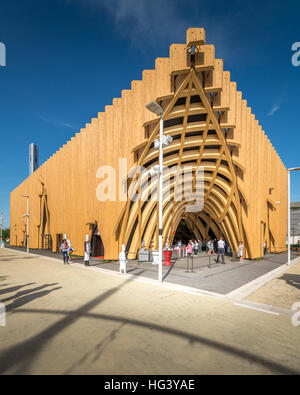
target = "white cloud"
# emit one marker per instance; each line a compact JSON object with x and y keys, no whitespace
{"x":57,"y":122}
{"x":274,"y":109}
{"x":279,"y":100}
{"x":66,"y":125}
{"x":157,"y":21}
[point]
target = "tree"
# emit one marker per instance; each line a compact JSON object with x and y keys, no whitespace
{"x":5,"y":234}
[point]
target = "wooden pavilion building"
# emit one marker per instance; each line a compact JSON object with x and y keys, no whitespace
{"x":245,"y":181}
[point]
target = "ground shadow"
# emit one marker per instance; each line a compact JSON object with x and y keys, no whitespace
{"x":13,"y":353}
{"x":291,"y":279}
{"x":14,"y":289}
{"x":14,"y":258}
{"x":22,"y":355}
{"x":133,"y":270}
{"x":21,"y":301}
{"x":19,"y":357}
{"x":96,"y":351}
{"x":18,"y":296}
{"x":3,"y":278}
{"x":169,"y":271}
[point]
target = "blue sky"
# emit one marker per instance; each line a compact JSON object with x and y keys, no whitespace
{"x":67,"y":59}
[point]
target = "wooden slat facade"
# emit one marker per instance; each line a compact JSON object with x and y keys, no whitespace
{"x":211,"y":125}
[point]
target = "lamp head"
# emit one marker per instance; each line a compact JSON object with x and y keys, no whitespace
{"x":155,"y":108}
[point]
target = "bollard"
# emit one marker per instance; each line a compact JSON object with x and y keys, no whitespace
{"x":87,"y":251}
{"x":209,"y":264}
{"x":188,"y":264}
{"x":155,"y":256}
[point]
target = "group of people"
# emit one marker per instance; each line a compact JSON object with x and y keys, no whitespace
{"x":66,"y":250}
{"x":194,"y":247}
{"x":212,"y":247}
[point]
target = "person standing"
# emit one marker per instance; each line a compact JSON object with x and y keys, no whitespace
{"x":265,"y":248}
{"x":196,"y":247}
{"x":65,"y":251}
{"x":190,"y":248}
{"x":226,"y":247}
{"x":215,"y":243}
{"x":210,"y":247}
{"x":70,"y":250}
{"x":221,"y":250}
{"x":193,"y":246}
{"x":241,"y":251}
{"x":200,"y":245}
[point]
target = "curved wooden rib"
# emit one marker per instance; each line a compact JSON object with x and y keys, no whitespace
{"x":198,"y":141}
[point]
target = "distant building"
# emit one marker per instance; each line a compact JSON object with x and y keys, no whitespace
{"x":33,"y":158}
{"x":295,"y":205}
{"x":295,"y":223}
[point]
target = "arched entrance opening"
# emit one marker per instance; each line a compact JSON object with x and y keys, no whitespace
{"x":97,"y":247}
{"x":211,"y":235}
{"x":183,"y":233}
{"x":195,"y":228}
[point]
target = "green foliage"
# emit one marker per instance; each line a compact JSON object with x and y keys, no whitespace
{"x":5,"y":234}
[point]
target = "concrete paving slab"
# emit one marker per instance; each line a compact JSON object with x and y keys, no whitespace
{"x":67,"y":320}
{"x":206,"y":276}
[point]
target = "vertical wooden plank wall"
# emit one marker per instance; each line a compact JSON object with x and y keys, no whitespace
{"x":70,"y":174}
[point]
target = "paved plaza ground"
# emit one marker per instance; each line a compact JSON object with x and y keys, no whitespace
{"x":68,"y":319}
{"x":201,"y":272}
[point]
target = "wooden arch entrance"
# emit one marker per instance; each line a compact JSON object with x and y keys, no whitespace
{"x":199,"y":140}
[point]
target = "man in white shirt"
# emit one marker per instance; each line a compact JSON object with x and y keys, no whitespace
{"x":221,"y":250}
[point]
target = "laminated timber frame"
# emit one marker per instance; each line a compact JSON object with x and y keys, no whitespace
{"x":211,"y":126}
{"x":191,"y":144}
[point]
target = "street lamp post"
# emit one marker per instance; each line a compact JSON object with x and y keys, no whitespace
{"x":163,"y":140}
{"x":27,"y":227}
{"x":289,"y":212}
